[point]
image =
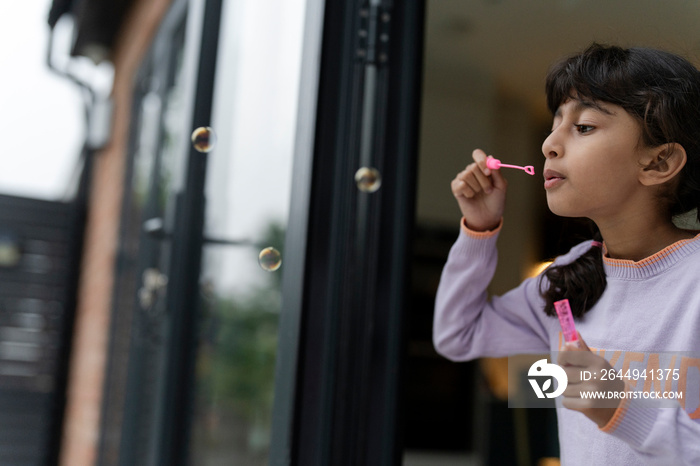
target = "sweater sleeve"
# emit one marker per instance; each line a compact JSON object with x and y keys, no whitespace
{"x":666,"y":435}
{"x":466,"y":325}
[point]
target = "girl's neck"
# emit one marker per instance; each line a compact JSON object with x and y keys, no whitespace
{"x":636,"y":240}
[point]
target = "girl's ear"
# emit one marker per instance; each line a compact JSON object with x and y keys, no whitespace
{"x":661,"y":164}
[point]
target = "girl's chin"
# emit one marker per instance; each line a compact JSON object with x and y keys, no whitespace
{"x":561,"y":209}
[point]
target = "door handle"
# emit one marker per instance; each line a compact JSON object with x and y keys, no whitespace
{"x":154,"y":228}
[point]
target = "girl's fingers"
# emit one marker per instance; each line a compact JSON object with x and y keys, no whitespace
{"x":494,"y":177}
{"x":461,"y":189}
{"x":499,"y":182}
{"x":480,"y":157}
{"x":483,"y":180}
{"x":476,"y":179}
{"x":470,"y":179}
{"x":578,"y":358}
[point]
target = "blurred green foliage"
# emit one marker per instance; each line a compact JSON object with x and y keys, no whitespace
{"x":236,"y":366}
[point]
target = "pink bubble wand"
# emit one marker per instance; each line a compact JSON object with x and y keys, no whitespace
{"x":566,"y":319}
{"x":495,"y":164}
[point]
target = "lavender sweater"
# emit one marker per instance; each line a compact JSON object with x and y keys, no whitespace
{"x":649,"y":308}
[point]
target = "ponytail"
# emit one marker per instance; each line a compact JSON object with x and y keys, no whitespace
{"x":582,"y":282}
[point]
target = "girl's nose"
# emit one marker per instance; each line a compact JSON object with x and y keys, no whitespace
{"x":551,"y":147}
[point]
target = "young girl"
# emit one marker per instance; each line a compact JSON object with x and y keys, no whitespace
{"x":624,"y":151}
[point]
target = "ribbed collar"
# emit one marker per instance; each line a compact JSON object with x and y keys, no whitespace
{"x":652,"y":265}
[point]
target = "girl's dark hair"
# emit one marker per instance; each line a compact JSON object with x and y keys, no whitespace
{"x":662,"y":92}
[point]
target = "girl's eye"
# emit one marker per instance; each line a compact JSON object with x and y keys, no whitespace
{"x":583,"y":129}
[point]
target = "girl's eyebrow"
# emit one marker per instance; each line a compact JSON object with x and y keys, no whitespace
{"x":582,"y":105}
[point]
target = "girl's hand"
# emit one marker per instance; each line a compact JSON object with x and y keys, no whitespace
{"x":576,"y":359}
{"x":480,"y":193}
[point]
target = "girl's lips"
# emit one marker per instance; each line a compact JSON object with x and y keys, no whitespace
{"x":552,"y":178}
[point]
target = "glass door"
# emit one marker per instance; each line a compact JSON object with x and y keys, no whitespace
{"x":197,"y":300}
{"x":250,"y":148}
{"x":271,"y":277}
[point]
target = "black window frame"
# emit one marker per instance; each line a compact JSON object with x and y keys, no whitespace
{"x":353,"y":248}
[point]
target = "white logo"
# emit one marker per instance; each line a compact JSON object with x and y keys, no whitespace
{"x":542,"y":368}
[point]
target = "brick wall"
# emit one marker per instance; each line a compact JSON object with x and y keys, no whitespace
{"x":85,"y":385}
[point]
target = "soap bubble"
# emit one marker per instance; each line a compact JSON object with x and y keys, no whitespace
{"x":270,"y":259}
{"x":368,"y":179}
{"x":203,"y":139}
